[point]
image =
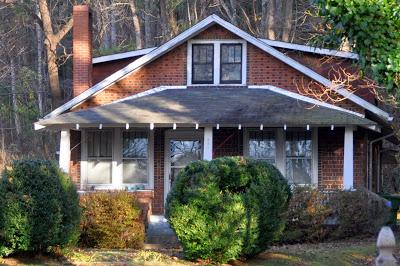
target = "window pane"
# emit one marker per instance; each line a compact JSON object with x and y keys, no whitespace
{"x":99,"y":143}
{"x":135,"y":145}
{"x":99,"y":171}
{"x":298,"y":144}
{"x":262,"y":145}
{"x":203,"y":73}
{"x":203,"y":53}
{"x":298,"y":171}
{"x":231,"y":72}
{"x":135,"y":171}
{"x":231,"y":53}
{"x":184,"y":152}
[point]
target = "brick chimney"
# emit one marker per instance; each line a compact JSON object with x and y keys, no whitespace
{"x":82,"y":49}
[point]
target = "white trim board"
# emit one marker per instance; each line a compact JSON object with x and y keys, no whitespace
{"x":311,"y":49}
{"x":194,"y":30}
{"x":118,"y":56}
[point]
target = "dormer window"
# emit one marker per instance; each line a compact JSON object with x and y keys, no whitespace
{"x":216,"y":62}
{"x":203,"y":64}
{"x":231,"y":63}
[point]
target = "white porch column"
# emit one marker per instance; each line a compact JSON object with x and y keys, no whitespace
{"x":65,"y":151}
{"x":208,"y":144}
{"x":348,"y":160}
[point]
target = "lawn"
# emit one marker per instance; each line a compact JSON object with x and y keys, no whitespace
{"x":334,"y":253}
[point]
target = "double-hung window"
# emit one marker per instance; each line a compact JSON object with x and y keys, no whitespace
{"x":203,"y":64}
{"x":298,"y":148}
{"x":99,"y":166}
{"x":231,"y":63}
{"x":135,"y":157}
{"x":217,"y":62}
{"x":262,"y":146}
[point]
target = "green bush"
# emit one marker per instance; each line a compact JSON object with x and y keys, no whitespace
{"x":316,"y":215}
{"x":111,"y":220}
{"x":228,"y":207}
{"x":38,"y":207}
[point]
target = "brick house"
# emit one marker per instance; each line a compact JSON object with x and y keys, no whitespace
{"x":139,"y":117}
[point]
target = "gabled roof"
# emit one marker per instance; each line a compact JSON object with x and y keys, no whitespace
{"x":191,"y":32}
{"x":253,"y":106}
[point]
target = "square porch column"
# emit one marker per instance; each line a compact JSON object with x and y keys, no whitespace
{"x":208,"y":144}
{"x":65,"y":151}
{"x":348,"y":160}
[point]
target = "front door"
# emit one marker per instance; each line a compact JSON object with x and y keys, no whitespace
{"x":182,"y":148}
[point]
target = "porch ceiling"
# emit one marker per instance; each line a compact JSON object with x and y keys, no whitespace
{"x":211,"y":105}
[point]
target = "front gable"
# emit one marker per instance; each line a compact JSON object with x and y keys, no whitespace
{"x":168,"y":64}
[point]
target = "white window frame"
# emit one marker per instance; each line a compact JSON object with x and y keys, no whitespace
{"x":150,"y":166}
{"x":280,"y":159}
{"x":183,"y":134}
{"x":117,"y":170}
{"x":217,"y":61}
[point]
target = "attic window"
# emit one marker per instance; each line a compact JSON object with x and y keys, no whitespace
{"x":231,"y":63}
{"x":203,"y":64}
{"x":216,"y":62}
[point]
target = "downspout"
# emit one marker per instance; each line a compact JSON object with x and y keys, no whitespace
{"x":370,"y":158}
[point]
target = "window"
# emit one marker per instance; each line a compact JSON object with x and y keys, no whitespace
{"x":298,"y":147}
{"x":231,"y":63}
{"x":99,"y":145}
{"x":135,"y":157}
{"x":203,"y":64}
{"x":262,"y":146}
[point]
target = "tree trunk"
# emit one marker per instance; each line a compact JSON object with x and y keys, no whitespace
{"x":17,"y":121}
{"x":271,"y":20}
{"x":136,"y":25}
{"x":39,"y":53}
{"x":164,"y":20}
{"x":147,"y":23}
{"x":287,"y":20}
{"x":51,"y":42}
{"x":113,"y":29}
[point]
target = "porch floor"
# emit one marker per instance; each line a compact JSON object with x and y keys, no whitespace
{"x":159,"y":234}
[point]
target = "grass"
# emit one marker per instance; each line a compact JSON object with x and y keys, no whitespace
{"x":337,"y":253}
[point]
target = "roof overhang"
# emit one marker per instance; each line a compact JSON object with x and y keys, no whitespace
{"x":248,"y":106}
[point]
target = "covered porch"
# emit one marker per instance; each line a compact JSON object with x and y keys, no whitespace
{"x":140,"y":143}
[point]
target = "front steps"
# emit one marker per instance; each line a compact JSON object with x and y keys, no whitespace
{"x":159,"y":234}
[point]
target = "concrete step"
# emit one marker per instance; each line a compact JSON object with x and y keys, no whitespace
{"x":159,"y":234}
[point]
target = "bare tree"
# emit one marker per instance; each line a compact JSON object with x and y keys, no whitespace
{"x":52,"y":40}
{"x":136,"y":24}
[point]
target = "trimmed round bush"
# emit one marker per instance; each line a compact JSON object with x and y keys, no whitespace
{"x":39,"y":208}
{"x":111,"y":220}
{"x":227,"y":208}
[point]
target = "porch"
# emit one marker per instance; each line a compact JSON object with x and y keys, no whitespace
{"x":140,"y":143}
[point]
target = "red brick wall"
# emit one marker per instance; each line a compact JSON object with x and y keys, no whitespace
{"x":264,"y":69}
{"x":75,"y":164}
{"x":330,"y":158}
{"x":216,"y":32}
{"x":103,"y":70}
{"x":159,"y":139}
{"x":227,"y":142}
{"x":82,"y":49}
{"x":169,"y":69}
